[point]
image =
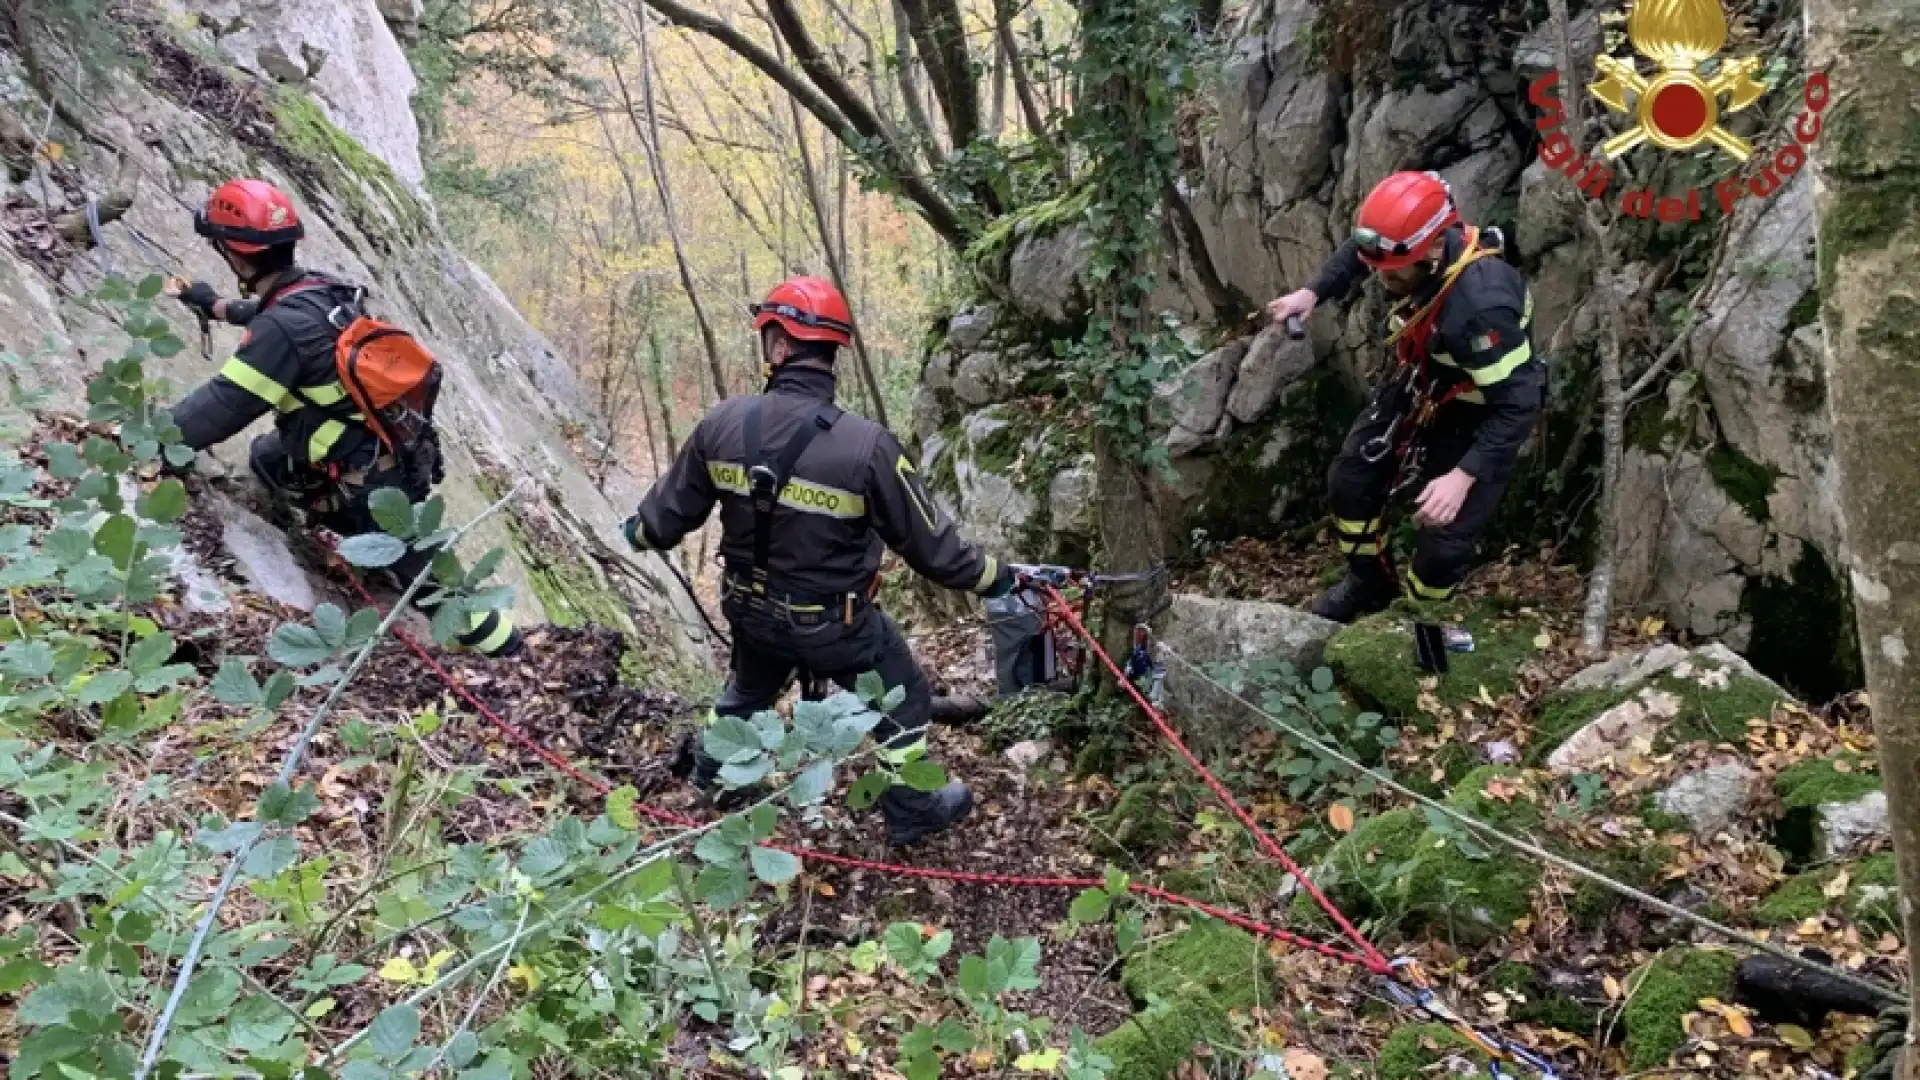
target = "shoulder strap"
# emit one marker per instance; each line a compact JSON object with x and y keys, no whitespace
{"x":766,"y":482}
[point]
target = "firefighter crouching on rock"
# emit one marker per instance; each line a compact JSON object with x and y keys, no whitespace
{"x":322,"y":454}
{"x":808,"y":496}
{"x":1454,"y":403}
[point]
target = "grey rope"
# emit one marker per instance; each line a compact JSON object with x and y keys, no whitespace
{"x":1870,"y":986}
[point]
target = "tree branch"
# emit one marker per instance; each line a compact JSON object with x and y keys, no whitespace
{"x":903,"y":67}
{"x":938,"y":31}
{"x":1023,"y":92}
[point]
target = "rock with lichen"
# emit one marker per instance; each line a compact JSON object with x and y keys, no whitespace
{"x":1646,"y":701}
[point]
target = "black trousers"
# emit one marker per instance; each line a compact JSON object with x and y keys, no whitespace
{"x":769,"y":645}
{"x":1358,"y":494}
{"x":343,"y":509}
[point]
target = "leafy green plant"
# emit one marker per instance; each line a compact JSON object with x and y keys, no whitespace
{"x":1314,"y":705}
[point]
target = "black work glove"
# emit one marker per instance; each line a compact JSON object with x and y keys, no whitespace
{"x":200,"y":297}
{"x":637,"y":540}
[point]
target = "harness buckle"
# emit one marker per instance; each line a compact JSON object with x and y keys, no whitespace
{"x":1377,"y":448}
{"x":762,"y":480}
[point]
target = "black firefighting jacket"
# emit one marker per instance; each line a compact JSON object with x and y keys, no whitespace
{"x":1482,"y":336}
{"x":853,"y":490}
{"x":285,"y":363}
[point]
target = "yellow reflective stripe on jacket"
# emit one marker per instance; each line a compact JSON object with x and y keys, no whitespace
{"x":802,"y":495}
{"x":1503,"y":367}
{"x":927,"y":513}
{"x":248,"y":378}
{"x":329,"y":394}
{"x":988,"y":574}
{"x":320,"y":444}
{"x":1424,"y":591}
{"x":900,"y":755}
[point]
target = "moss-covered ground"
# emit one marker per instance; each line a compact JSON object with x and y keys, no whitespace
{"x":1538,"y":1004}
{"x":1667,"y":990}
{"x":1412,"y":1050}
{"x":1188,"y":984}
{"x":1842,"y":778}
{"x":1866,"y":896}
{"x":1375,"y":658}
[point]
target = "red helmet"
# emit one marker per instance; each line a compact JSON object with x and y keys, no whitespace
{"x":1400,"y":217}
{"x":248,"y":217}
{"x":808,"y":309}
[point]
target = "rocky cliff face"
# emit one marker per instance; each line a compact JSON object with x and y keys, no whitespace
{"x":212,"y":94}
{"x":1728,"y":500}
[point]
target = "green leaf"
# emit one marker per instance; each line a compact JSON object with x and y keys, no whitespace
{"x":361,"y":627}
{"x":297,"y":646}
{"x":150,"y":652}
{"x":620,"y":806}
{"x":717,"y":849}
{"x":331,"y":624}
{"x":773,"y":867}
{"x":32,"y":570}
{"x":63,"y":461}
{"x":871,"y":687}
{"x":973,"y":977}
{"x":279,"y":688}
{"x":723,"y":886}
{"x":740,"y":774}
{"x":166,"y":503}
{"x":1090,"y":906}
{"x":812,"y":784}
{"x":68,"y":546}
{"x":731,"y":739}
{"x":114,"y":540}
{"x":893,"y":700}
{"x":462,"y":1049}
{"x":180,"y":455}
{"x":257,"y":1025}
{"x":485,"y":567}
{"x":543,"y":857}
{"x":923,"y":774}
{"x":428,"y":515}
{"x":1322,"y":680}
{"x":233,"y":684}
{"x":105,"y":686}
{"x":150,"y":286}
{"x":372,"y":550}
{"x":392,"y":511}
{"x":271,"y":856}
{"x":281,"y":805}
{"x":14,"y":539}
{"x":26,"y":660}
{"x":867,"y":790}
{"x":393,"y":1032}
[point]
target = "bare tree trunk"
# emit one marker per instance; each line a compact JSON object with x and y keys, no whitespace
{"x":1023,"y":91}
{"x":997,"y":109}
{"x":664,"y":187}
{"x":1868,"y":164}
{"x":868,"y":386}
{"x":906,"y":73}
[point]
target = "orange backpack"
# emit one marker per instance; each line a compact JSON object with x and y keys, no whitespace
{"x":390,"y":376}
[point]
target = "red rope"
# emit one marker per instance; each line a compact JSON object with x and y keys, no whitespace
{"x":1253,"y":926}
{"x":1374,"y":960}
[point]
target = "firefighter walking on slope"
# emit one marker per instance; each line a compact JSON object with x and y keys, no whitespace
{"x":809,"y":497}
{"x":1454,"y":405}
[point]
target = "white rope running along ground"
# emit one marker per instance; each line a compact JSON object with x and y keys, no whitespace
{"x":1879,"y":990}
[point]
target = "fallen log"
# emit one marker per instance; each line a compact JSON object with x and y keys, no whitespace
{"x":1782,"y":993}
{"x":956,"y":711}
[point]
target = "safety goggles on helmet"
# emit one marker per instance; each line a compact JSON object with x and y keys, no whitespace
{"x":1372,"y":245}
{"x":804,"y":318}
{"x":214,"y":233}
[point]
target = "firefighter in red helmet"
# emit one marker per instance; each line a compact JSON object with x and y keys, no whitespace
{"x":321,"y":454}
{"x":808,"y":497}
{"x":1453,"y":405}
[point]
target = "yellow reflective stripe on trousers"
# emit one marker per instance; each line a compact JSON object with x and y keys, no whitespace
{"x":803,"y":495}
{"x":1357,"y":528}
{"x":1502,"y":367}
{"x":248,"y":378}
{"x":492,"y":640}
{"x":988,"y":574}
{"x":1424,"y":591}
{"x":320,"y":444}
{"x":1370,"y":547}
{"x":900,"y":755}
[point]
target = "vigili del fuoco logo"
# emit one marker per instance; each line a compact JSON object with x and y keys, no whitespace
{"x":1675,"y":108}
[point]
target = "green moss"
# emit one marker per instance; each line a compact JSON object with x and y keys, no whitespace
{"x":1803,"y":629}
{"x":1870,"y":172}
{"x":988,"y":254}
{"x":1640,"y":866}
{"x":380,"y":203}
{"x":1665,"y":991}
{"x":1805,"y":311}
{"x":1152,"y":1044}
{"x":1413,"y":1048}
{"x":1799,"y":899}
{"x":1399,"y":869}
{"x":1375,"y":657}
{"x":568,"y":592}
{"x":1141,"y":822}
{"x":1540,"y":1004}
{"x":1806,"y":785}
{"x":1747,"y":482}
{"x":1208,"y":957}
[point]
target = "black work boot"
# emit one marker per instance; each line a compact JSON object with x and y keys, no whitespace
{"x":696,"y":767}
{"x":1361,"y":592}
{"x":912,"y":816}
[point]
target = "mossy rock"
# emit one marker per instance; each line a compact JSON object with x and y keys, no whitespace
{"x":1540,"y":1004}
{"x":1207,"y":957}
{"x":1152,"y":1044}
{"x":379,"y":202}
{"x":1639,"y":865}
{"x":1665,"y":991}
{"x":1400,"y":869}
{"x":1807,"y":785}
{"x":1375,"y":657}
{"x":1190,"y":983}
{"x":1413,"y":1048}
{"x":1708,"y":712}
{"x":1146,"y":817}
{"x":1871,"y":896}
